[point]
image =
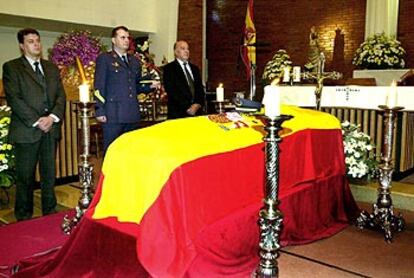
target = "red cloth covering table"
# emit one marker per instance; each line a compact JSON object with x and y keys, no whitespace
{"x":201,"y":221}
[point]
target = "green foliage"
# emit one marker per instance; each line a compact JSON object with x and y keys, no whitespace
{"x":274,"y":68}
{"x":6,"y":150}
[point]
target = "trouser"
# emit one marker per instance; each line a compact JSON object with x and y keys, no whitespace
{"x":27,"y":155}
{"x":111,"y":131}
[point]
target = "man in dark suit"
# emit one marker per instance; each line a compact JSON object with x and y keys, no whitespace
{"x":35,"y":94}
{"x":117,"y":78}
{"x":182,"y":81}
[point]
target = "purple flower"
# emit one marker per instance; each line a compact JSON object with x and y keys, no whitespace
{"x":75,"y":43}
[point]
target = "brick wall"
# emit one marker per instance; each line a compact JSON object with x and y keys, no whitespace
{"x":406,"y":29}
{"x":281,"y":24}
{"x":190,"y":27}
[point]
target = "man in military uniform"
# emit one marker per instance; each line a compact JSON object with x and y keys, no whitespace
{"x":117,"y":78}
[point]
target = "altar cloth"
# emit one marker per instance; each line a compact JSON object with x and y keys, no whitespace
{"x":198,"y":217}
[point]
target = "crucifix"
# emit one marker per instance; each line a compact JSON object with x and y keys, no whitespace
{"x":319,"y":76}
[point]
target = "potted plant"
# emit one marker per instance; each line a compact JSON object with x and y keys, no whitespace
{"x":361,"y":165}
{"x":380,"y":52}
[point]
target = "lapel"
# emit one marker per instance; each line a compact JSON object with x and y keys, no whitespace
{"x":179,"y":69}
{"x":118,"y":59}
{"x":29,"y":70}
{"x":183,"y":79}
{"x":48,"y":72}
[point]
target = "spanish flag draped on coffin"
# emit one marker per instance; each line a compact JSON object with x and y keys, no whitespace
{"x":177,"y":178}
{"x":188,"y":193}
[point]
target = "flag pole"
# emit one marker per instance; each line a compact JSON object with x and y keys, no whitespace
{"x":252,"y":81}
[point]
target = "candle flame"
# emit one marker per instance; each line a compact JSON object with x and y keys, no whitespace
{"x":220,"y":85}
{"x":394,"y":83}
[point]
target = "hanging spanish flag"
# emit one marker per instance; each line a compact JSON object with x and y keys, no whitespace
{"x":248,"y":49}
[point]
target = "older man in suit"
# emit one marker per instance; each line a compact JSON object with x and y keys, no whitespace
{"x":117,"y":79}
{"x":35,"y":94}
{"x":182,"y":81}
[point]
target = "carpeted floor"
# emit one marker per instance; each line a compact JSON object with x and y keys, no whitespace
{"x":350,"y":253}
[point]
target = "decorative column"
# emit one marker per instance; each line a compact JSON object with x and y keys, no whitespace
{"x":85,"y":168}
{"x":270,"y":217}
{"x":382,"y":218}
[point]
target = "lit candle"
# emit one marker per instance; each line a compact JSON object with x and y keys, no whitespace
{"x":296,"y":74}
{"x":392,"y":95}
{"x":271,"y":101}
{"x":220,"y":92}
{"x":84,"y":95}
{"x":286,"y":74}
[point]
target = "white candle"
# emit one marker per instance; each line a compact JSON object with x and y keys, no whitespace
{"x":296,"y":74}
{"x":286,"y":74}
{"x":84,"y":95}
{"x":271,"y":101}
{"x":392,"y":95}
{"x":220,"y":92}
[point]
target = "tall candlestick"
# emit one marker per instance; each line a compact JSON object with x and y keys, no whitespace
{"x":84,"y":95}
{"x":271,"y":101}
{"x":286,"y":74}
{"x":392,"y":95}
{"x":220,"y":92}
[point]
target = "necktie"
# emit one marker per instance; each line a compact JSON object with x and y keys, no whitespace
{"x":39,"y":74}
{"x":189,"y":79}
{"x":42,"y":81}
{"x":124,"y":58}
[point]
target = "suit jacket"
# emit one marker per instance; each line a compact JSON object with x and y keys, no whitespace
{"x":178,"y":90}
{"x":118,"y":84}
{"x":26,"y":97}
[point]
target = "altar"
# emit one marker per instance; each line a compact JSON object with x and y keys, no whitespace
{"x":181,"y":198}
{"x":382,"y":77}
{"x":359,"y":104}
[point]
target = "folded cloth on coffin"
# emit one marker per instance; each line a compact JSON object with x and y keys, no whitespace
{"x":242,"y":103}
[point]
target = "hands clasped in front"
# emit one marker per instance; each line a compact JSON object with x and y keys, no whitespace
{"x":45,"y":123}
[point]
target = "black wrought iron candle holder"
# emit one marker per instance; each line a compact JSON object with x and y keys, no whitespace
{"x":382,"y":218}
{"x":270,"y":217}
{"x":85,"y":169}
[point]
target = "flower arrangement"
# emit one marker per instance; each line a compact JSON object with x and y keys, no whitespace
{"x":274,"y":68}
{"x":71,"y":45}
{"x":359,"y":156}
{"x":6,"y":149}
{"x":149,"y":70}
{"x":380,"y":52}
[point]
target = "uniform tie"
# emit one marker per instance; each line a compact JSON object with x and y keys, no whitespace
{"x":189,"y":79}
{"x":124,"y":58}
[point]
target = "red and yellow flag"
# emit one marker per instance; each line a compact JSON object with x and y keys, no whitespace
{"x":248,"y":50}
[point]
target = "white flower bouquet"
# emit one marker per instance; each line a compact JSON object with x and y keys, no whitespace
{"x":274,"y":68}
{"x":6,"y":150}
{"x":359,"y":152}
{"x":380,"y":52}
